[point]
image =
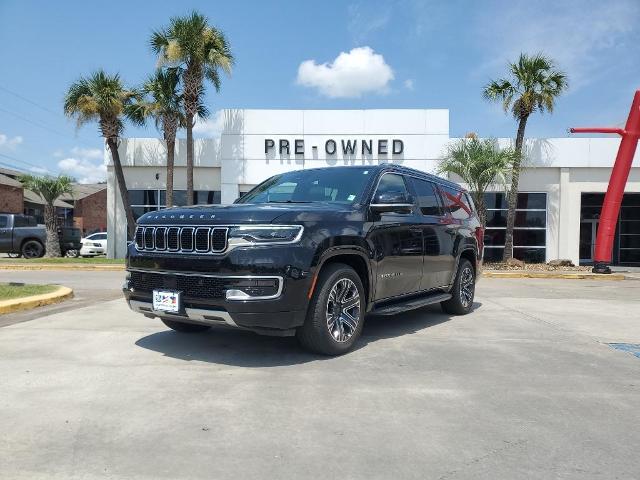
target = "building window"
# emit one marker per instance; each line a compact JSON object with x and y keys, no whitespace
{"x":630,"y":229}
{"x":143,"y":201}
{"x":529,"y":232}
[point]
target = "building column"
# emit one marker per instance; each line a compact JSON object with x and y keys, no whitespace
{"x":569,"y":218}
{"x":229,"y":192}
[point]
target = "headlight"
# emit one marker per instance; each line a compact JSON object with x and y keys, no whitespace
{"x":267,"y":234}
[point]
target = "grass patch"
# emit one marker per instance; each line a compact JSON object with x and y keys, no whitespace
{"x":65,"y":260}
{"x":10,"y":291}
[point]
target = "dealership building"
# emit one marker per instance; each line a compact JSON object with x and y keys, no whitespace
{"x":561,"y":189}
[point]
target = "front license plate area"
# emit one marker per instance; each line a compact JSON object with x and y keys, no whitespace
{"x":167,"y":301}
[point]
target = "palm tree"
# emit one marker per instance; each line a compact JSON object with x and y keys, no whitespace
{"x":480,"y":164}
{"x":50,"y":189}
{"x":533,"y":86}
{"x":202,"y":52}
{"x":165,"y":107}
{"x":102,"y":98}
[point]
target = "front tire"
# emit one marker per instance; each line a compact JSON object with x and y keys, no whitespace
{"x":32,"y":249}
{"x":336,"y":312}
{"x":463,"y":290}
{"x":184,"y":327}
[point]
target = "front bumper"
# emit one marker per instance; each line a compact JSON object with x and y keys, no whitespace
{"x":207,"y":296}
{"x":278,"y":313}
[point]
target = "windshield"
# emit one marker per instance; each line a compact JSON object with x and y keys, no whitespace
{"x":338,"y":185}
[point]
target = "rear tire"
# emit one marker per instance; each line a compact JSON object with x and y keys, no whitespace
{"x":336,"y":312}
{"x":463,"y":290}
{"x":32,"y":249}
{"x":185,"y":327}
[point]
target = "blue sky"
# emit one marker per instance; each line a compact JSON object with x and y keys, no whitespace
{"x":329,"y":54}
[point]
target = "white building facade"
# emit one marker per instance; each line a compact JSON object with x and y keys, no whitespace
{"x":562,"y":186}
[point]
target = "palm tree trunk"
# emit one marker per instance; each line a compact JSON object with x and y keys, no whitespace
{"x":171,"y":151}
{"x":481,"y":207}
{"x":53,"y":242}
{"x":189,"y":117}
{"x":122,"y":186}
{"x":513,"y":192}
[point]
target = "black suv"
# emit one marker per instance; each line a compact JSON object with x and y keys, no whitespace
{"x":309,"y":253}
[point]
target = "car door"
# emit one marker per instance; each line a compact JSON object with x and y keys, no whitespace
{"x":5,"y":234}
{"x":396,"y":237}
{"x":438,"y":238}
{"x":100,"y":238}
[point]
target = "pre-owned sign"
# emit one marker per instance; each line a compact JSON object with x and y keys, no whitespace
{"x":347,"y":147}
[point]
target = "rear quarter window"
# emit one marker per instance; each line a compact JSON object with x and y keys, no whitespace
{"x":457,"y":202}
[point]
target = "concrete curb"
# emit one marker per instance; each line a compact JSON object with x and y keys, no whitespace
{"x":553,"y":275}
{"x":33,"y":301}
{"x":53,"y":266}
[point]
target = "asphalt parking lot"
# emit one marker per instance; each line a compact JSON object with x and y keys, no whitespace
{"x":527,"y":386}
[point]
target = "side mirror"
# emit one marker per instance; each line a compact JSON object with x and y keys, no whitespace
{"x":392,"y":202}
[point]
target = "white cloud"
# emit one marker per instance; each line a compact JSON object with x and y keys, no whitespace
{"x":40,"y":170}
{"x":587,"y":39}
{"x":210,"y":127}
{"x":86,"y":165}
{"x":83,"y":170}
{"x":408,"y":84}
{"x":92,"y":153}
{"x":10,"y":142}
{"x":351,"y":74}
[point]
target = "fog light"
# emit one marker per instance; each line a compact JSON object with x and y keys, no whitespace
{"x":237,"y":295}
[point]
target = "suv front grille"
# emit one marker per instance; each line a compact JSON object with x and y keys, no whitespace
{"x":181,"y":239}
{"x":195,"y":286}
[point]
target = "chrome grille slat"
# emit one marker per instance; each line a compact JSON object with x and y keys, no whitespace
{"x":201,"y":239}
{"x":219,"y":239}
{"x":187,"y":239}
{"x":161,"y":238}
{"x":139,"y":238}
{"x":148,"y":238}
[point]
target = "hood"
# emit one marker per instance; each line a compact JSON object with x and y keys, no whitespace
{"x":240,"y":213}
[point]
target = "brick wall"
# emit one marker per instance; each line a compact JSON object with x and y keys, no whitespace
{"x":11,"y":199}
{"x":90,"y":212}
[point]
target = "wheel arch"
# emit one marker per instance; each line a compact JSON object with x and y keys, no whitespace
{"x":29,"y":239}
{"x":353,"y":257}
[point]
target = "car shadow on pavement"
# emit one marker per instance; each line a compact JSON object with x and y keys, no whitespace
{"x":247,"y":349}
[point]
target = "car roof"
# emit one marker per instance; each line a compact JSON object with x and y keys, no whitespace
{"x":392,"y":167}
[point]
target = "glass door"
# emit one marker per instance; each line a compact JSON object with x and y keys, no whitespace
{"x":588,"y":231}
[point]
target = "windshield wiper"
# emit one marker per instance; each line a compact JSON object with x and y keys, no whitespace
{"x":289,"y":201}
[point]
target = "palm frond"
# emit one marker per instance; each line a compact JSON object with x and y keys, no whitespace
{"x":49,"y":188}
{"x":534,"y":85}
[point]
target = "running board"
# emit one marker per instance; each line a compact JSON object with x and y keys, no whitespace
{"x":411,"y":304}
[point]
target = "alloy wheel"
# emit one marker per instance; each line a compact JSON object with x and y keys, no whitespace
{"x":343,"y":310}
{"x":467,"y":286}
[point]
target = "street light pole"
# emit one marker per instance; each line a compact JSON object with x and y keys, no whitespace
{"x":615,"y":191}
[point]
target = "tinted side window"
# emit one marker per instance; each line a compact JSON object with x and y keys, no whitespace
{"x":100,"y":236}
{"x":390,"y":182}
{"x":3,"y":221}
{"x":456,"y":202}
{"x":20,"y":221}
{"x":427,"y":197}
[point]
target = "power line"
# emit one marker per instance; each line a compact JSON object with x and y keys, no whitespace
{"x":9,"y":157}
{"x":13,"y":167}
{"x":29,"y":101}
{"x":44,"y":127}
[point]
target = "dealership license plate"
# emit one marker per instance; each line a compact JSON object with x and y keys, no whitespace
{"x":166,"y":301}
